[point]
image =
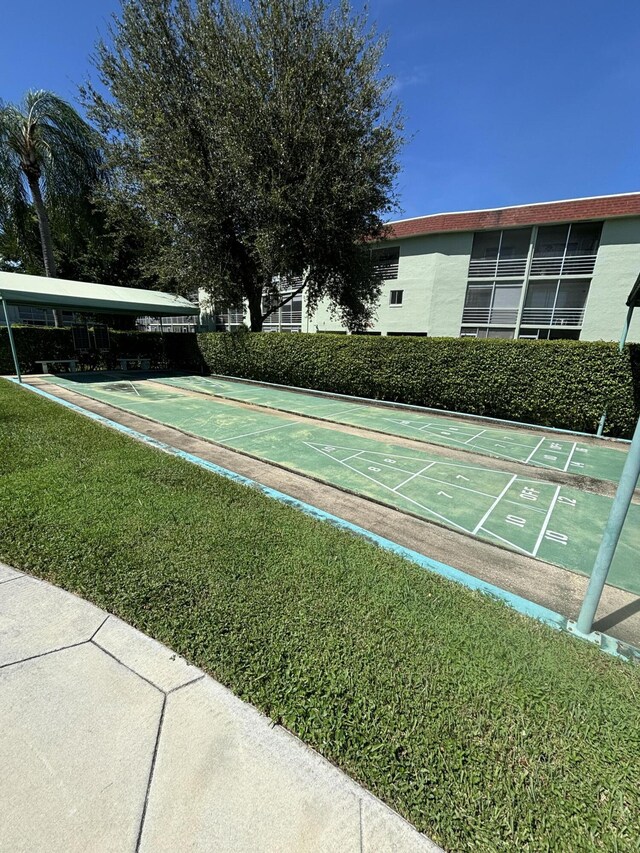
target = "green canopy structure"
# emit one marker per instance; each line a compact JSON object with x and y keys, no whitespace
{"x":633,"y":301}
{"x":81,"y":296}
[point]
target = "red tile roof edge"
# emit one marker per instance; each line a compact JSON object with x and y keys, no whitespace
{"x":572,"y":210}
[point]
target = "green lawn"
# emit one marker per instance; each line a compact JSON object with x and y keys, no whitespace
{"x":485,"y":730}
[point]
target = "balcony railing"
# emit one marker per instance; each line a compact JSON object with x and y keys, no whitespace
{"x":289,"y":321}
{"x":498,"y":268}
{"x":552,"y":317}
{"x":484,"y":316}
{"x":565,"y":265}
{"x":515,"y":267}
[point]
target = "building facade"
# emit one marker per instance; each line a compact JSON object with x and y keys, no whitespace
{"x":559,"y":269}
{"x":542,"y":271}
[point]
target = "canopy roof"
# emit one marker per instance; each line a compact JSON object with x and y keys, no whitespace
{"x":19,"y":289}
{"x":634,"y":296}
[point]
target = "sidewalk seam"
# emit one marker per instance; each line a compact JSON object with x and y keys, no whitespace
{"x":151,"y":772}
{"x":117,"y":660}
{"x":44,"y":654}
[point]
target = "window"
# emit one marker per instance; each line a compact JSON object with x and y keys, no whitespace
{"x":515,"y":243}
{"x":555,"y":302}
{"x":566,"y":249}
{"x":507,"y":296}
{"x":407,"y":334}
{"x":551,"y":241}
{"x":499,"y":253}
{"x":478,"y":296}
{"x":386,"y":262}
{"x":550,"y":334}
{"x":584,"y":238}
{"x":486,"y":245}
{"x":478,"y":332}
{"x":396,"y":297}
{"x":492,"y":302}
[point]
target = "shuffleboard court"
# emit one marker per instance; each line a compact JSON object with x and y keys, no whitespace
{"x":558,"y":524}
{"x":560,"y":453}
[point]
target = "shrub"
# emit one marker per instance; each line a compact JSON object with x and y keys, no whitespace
{"x":565,"y":384}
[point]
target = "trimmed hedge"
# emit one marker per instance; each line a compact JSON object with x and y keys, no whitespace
{"x":563,"y":384}
{"x":37,"y":342}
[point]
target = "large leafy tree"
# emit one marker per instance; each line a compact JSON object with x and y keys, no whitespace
{"x":260,"y":138}
{"x":48,"y":155}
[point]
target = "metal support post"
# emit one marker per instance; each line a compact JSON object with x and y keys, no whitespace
{"x":615,"y":522}
{"x":625,"y":331}
{"x":11,"y":341}
{"x":164,"y":347}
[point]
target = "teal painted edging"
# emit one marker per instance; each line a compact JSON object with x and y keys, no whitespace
{"x":515,"y":602}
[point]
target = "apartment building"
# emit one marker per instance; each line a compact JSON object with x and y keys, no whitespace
{"x":559,"y":269}
{"x":554,"y":270}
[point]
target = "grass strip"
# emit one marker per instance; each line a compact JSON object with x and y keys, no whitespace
{"x":484,"y":729}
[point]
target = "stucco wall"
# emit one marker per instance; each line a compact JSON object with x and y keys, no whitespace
{"x":436,"y":259}
{"x":616,"y":271}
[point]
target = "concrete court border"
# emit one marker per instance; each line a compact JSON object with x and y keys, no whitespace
{"x":619,"y":647}
{"x":50,"y":625}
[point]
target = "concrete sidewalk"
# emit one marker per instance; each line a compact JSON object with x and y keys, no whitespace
{"x":111,"y":742}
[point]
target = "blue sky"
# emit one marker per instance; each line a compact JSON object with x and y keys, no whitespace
{"x":506,"y":101}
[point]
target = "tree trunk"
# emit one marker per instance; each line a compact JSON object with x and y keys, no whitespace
{"x":45,"y":235}
{"x":254,"y":298}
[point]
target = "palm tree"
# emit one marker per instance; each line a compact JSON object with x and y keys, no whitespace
{"x":48,"y":155}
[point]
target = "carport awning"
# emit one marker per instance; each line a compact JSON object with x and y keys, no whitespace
{"x":634,"y":297}
{"x":20,"y":289}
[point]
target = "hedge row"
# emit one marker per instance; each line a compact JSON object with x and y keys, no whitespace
{"x":564,"y":384}
{"x":35,"y":343}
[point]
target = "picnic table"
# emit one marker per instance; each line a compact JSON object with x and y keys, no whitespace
{"x":71,"y":364}
{"x":142,"y":363}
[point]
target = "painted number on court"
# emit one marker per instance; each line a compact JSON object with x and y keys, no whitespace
{"x":560,"y":538}
{"x":567,"y":501}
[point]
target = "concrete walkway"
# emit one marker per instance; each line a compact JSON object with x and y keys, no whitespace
{"x":111,"y":742}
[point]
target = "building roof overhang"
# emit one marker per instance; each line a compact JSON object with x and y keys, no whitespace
{"x":545,"y":213}
{"x":20,"y":289}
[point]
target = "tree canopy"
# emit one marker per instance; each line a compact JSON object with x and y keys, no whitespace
{"x":49,"y":157}
{"x":260,"y":139}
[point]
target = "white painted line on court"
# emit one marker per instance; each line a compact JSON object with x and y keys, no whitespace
{"x":258,"y":431}
{"x":353,"y":455}
{"x":413,"y":476}
{"x":545,"y":523}
{"x":494,"y":504}
{"x":477,"y":435}
{"x":506,"y":542}
{"x":402,"y":497}
{"x":542,"y":441}
{"x":573,"y":450}
{"x":335,"y":414}
{"x":419,"y":474}
{"x":525,"y":506}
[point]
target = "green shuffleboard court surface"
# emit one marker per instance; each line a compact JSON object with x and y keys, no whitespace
{"x":560,"y":453}
{"x":558,"y":524}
